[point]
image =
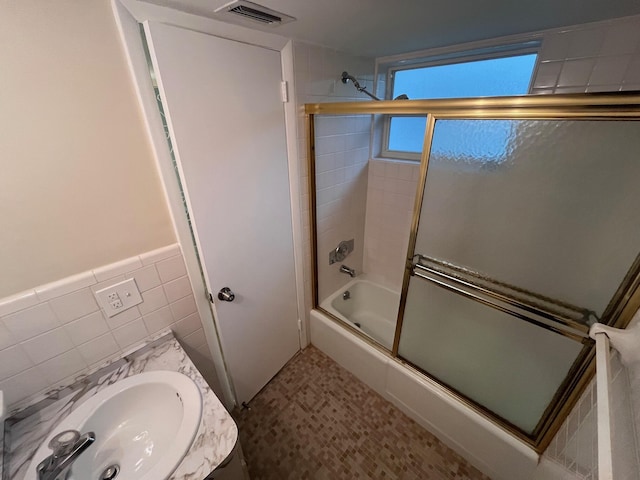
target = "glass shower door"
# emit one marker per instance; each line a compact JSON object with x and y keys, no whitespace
{"x":527,"y":230}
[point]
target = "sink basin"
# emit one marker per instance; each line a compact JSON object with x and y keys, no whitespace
{"x":144,"y":423}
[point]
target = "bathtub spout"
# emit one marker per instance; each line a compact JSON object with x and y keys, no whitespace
{"x":349,"y":271}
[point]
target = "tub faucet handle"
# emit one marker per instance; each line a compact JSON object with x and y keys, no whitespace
{"x":341,"y":252}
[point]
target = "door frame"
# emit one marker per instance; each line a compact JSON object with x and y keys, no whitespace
{"x":129,"y":14}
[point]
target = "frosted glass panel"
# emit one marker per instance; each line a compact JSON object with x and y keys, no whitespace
{"x":509,"y":366}
{"x":549,"y":206}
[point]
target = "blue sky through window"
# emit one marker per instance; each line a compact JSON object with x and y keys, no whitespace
{"x":480,"y":78}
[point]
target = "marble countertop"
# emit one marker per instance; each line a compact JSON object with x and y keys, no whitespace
{"x":217,"y":435}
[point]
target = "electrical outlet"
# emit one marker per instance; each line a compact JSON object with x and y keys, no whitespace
{"x":119,"y":297}
{"x":116,"y":304}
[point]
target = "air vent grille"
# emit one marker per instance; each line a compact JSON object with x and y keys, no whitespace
{"x":255,"y":14}
{"x":245,"y":12}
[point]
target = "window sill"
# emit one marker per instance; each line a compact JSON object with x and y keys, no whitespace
{"x":396,"y":160}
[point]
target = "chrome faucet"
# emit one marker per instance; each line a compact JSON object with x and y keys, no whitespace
{"x":349,"y":271}
{"x":67,"y":447}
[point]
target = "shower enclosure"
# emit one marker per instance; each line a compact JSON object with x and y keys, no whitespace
{"x":483,"y":265}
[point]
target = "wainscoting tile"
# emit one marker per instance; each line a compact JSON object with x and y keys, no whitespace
{"x":62,"y":366}
{"x":66,"y":285}
{"x":107,"y":283}
{"x":177,"y":289}
{"x":51,"y":333}
{"x":184,"y":307}
{"x":187,"y":325}
{"x":123,"y":318}
{"x":119,"y":268}
{"x":194,"y":340}
{"x":48,"y":345}
{"x":87,"y":328}
{"x":18,"y":302}
{"x":156,"y":321}
{"x":130,"y":333}
{"x":163,"y":253}
{"x":6,"y":338}
{"x":171,"y":269}
{"x":152,"y":300}
{"x":13,"y":360}
{"x":74,"y":305}
{"x":33,"y":321}
{"x":23,"y":385}
{"x":146,"y":278}
{"x":99,"y":349}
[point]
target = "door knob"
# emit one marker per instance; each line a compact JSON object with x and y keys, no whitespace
{"x":226,"y":295}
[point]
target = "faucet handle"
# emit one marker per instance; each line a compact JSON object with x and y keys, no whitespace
{"x":66,"y":445}
{"x":64,"y":442}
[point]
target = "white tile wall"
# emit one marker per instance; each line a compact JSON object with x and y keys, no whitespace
{"x":30,"y":322}
{"x":575,"y":445}
{"x":390,"y":202}
{"x":596,"y":57}
{"x":54,"y":332}
{"x":345,"y":143}
{"x":342,"y":151}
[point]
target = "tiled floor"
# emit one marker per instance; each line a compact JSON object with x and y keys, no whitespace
{"x":315,"y":420}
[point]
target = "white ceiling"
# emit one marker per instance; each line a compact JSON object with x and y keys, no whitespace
{"x":385,"y":27}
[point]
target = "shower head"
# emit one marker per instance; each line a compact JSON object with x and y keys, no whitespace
{"x":346,"y":78}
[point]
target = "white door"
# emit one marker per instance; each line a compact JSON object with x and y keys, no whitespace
{"x":226,"y":117}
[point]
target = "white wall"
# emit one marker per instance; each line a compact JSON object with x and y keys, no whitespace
{"x":78,"y":187}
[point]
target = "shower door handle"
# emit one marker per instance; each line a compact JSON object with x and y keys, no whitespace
{"x":226,"y":295}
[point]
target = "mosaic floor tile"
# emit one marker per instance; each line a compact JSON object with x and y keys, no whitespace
{"x":315,"y":420}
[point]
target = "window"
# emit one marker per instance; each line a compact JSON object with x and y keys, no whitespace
{"x":453,"y":78}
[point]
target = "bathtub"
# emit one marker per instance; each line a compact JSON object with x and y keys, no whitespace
{"x":371,"y":308}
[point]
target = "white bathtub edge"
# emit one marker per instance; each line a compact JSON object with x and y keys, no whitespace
{"x":486,"y":446}
{"x":349,"y":351}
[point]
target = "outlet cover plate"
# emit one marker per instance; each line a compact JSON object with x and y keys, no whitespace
{"x":119,"y":297}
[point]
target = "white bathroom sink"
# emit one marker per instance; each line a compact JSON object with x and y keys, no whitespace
{"x":145,"y":424}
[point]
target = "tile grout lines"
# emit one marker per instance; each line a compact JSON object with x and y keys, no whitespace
{"x":315,"y":420}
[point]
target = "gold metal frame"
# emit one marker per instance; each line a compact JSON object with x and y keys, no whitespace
{"x":580,"y":106}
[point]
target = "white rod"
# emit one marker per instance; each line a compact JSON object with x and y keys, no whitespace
{"x":603,"y":379}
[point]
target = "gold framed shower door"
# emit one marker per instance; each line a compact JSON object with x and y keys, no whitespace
{"x":626,"y":300}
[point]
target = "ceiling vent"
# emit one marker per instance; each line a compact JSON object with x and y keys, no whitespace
{"x":243,"y":12}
